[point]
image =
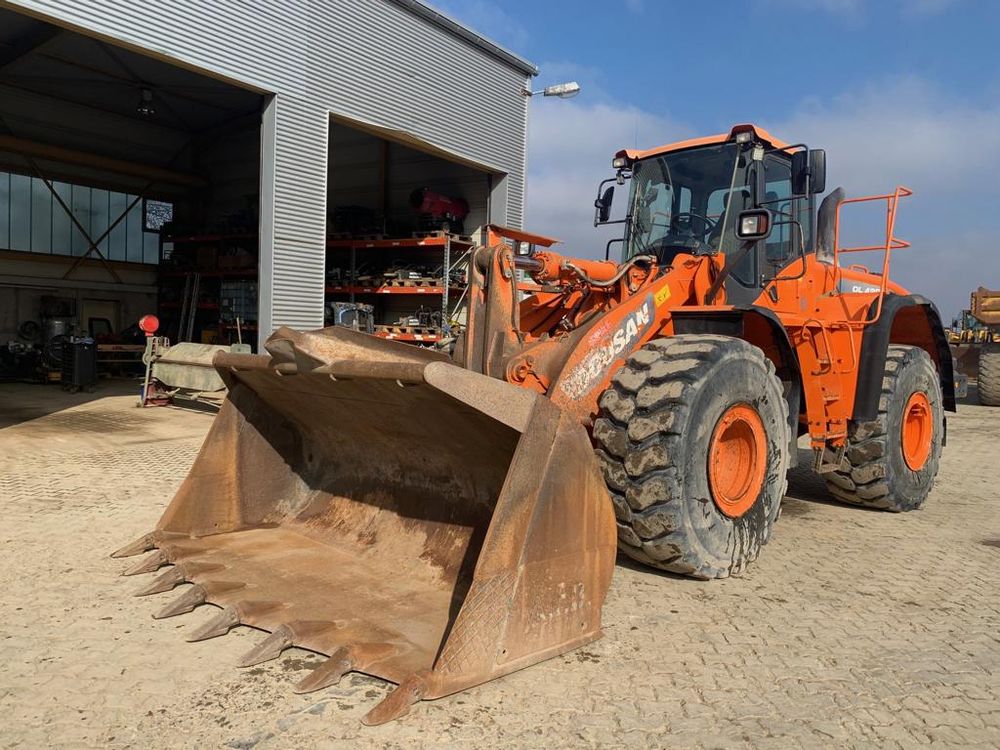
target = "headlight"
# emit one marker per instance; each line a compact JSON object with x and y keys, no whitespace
{"x":754,"y":224}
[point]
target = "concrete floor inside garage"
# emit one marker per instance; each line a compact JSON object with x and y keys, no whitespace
{"x":854,"y":629}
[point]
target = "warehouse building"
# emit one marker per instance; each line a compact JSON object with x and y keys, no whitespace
{"x":238,"y":166}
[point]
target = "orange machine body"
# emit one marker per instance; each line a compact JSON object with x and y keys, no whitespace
{"x":569,"y":326}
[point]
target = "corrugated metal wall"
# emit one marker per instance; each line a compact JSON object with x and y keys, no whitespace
{"x":297,"y":250}
{"x":371,"y":61}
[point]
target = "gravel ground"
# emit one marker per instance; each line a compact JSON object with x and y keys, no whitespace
{"x":854,"y":629}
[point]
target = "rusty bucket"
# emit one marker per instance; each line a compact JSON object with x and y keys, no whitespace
{"x":373,"y":502}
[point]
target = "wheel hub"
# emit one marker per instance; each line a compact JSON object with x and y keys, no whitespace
{"x":737,"y":460}
{"x":917,"y":431}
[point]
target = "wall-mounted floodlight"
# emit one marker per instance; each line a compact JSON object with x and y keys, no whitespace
{"x":563,"y":90}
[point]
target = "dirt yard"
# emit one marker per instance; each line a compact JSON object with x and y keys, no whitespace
{"x":854,"y":629}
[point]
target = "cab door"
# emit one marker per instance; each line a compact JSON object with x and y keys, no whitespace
{"x":792,"y":230}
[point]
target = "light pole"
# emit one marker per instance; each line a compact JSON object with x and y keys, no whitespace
{"x":563,"y":90}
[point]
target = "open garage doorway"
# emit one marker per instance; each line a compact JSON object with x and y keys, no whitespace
{"x":128,"y":186}
{"x":402,"y":223}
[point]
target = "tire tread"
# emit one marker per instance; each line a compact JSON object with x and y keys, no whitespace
{"x":639,"y":431}
{"x":989,"y":375}
{"x":861,"y":480}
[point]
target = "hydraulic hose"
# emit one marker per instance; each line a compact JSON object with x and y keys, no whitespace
{"x":614,"y":279}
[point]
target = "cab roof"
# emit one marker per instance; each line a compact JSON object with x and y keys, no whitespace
{"x":762,"y":135}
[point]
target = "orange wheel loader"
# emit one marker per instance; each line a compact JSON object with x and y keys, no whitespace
{"x":439,"y":518}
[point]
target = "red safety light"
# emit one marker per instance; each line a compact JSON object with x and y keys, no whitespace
{"x":149,"y":324}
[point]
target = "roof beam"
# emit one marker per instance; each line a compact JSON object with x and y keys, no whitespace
{"x":28,"y":43}
{"x":172,"y":90}
{"x":91,"y":177}
{"x":50,"y":152}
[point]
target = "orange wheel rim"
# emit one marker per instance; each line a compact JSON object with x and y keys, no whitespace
{"x":917,"y":431}
{"x":737,"y":460}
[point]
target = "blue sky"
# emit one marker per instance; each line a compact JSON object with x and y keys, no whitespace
{"x":897,"y":91}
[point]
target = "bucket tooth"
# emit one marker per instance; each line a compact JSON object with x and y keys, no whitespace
{"x":398,"y":702}
{"x":221,"y":624}
{"x":186,"y":602}
{"x":143,"y":544}
{"x":329,"y":672}
{"x":181,"y":572}
{"x":148,"y":564}
{"x":165,"y":582}
{"x":269,"y":648}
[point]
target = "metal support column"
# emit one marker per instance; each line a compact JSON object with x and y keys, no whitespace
{"x":446,"y":280}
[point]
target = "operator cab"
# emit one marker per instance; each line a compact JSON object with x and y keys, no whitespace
{"x":678,"y":202}
{"x":687,"y":198}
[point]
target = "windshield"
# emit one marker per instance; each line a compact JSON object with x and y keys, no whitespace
{"x":683,"y":202}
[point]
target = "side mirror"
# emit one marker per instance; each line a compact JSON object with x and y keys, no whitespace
{"x":754,"y":224}
{"x":603,"y":206}
{"x":817,"y":170}
{"x":809,"y":167}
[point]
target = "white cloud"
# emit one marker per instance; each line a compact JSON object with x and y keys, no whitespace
{"x":901,"y":130}
{"x":892,"y":131}
{"x":905,"y":131}
{"x":570,"y":147}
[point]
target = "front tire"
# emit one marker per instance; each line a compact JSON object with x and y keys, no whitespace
{"x":693,"y":440}
{"x":891,"y":463}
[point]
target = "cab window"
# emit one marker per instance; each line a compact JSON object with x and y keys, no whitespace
{"x":745,"y":271}
{"x":658,"y":201}
{"x":785,"y":242}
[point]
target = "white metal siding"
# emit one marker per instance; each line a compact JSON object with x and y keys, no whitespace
{"x":298,"y":252}
{"x":371,"y":61}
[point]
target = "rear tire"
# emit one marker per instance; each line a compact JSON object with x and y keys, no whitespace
{"x":989,"y":375}
{"x":660,"y":422}
{"x":875,"y":472}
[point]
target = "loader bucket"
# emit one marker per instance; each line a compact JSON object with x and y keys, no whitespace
{"x":372,"y":501}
